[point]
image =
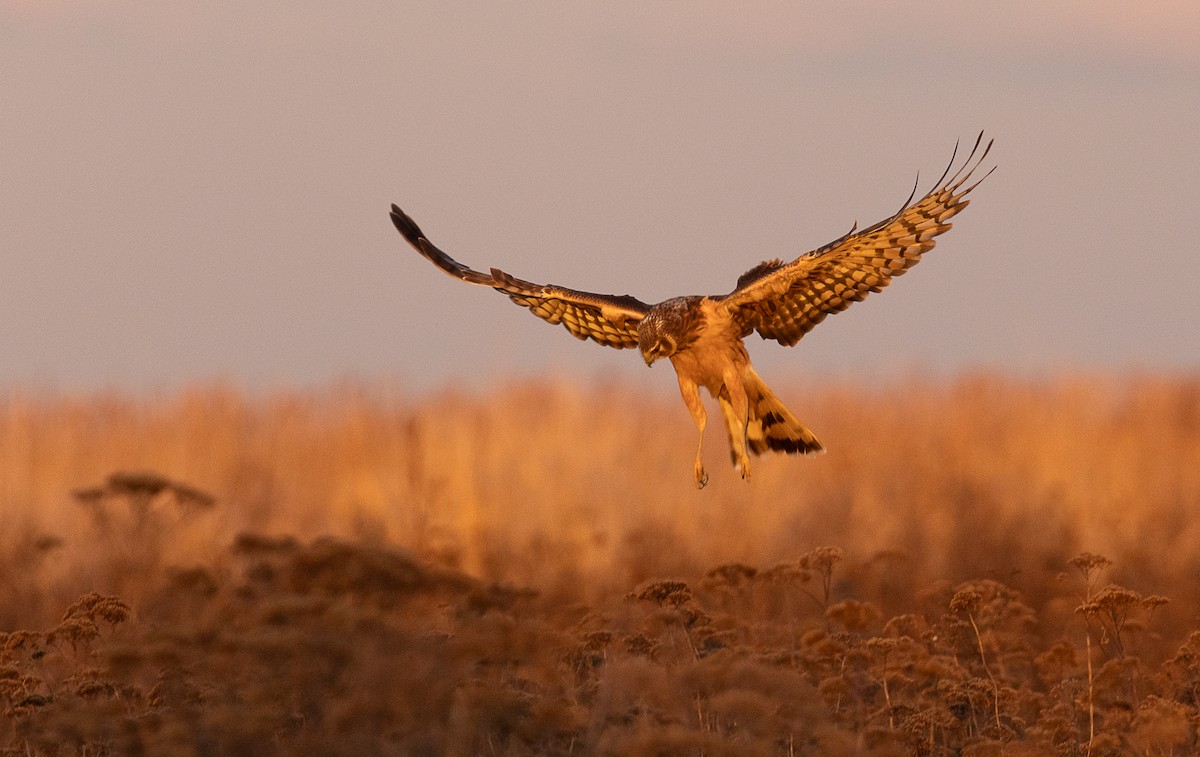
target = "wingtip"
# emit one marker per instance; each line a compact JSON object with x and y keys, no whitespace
{"x":397,"y":214}
{"x":406,"y":226}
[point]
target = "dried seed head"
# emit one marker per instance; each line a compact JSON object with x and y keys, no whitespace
{"x":730,"y":574}
{"x":641,"y":645}
{"x":966,"y":602}
{"x":882,"y":644}
{"x":597,"y":639}
{"x":133,"y":483}
{"x":665,"y":593}
{"x":110,"y":609}
{"x":76,"y":630}
{"x":1154,"y":601}
{"x":1115,"y":598}
{"x":191,"y":497}
{"x":853,"y":614}
{"x":23,"y":640}
{"x":1086,"y":562}
{"x":909,"y":625}
{"x":821,"y":559}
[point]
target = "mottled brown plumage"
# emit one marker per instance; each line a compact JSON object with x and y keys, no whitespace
{"x":702,"y":336}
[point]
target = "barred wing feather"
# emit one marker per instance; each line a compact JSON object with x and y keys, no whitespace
{"x":611,"y":320}
{"x":784,"y":301}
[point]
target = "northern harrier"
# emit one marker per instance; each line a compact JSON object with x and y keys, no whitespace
{"x":702,"y":335}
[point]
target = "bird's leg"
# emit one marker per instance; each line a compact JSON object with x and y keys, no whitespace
{"x":691,"y":398}
{"x":741,"y":414}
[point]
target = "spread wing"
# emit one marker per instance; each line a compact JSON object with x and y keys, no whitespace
{"x":609,"y":319}
{"x":784,"y":301}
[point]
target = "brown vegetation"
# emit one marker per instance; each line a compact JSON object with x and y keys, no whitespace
{"x":978,"y":567}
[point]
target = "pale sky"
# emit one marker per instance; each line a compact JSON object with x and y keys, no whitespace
{"x":199,"y":191}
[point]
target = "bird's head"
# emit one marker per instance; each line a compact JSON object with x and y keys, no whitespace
{"x":664,"y":346}
{"x":654,"y":341}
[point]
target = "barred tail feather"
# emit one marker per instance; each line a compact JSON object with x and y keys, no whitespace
{"x":771,"y":425}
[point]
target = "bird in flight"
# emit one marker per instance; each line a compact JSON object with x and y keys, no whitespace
{"x":702,"y":335}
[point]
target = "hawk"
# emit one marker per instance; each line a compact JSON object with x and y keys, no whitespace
{"x":702,"y":335}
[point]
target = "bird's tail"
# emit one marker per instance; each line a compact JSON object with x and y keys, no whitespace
{"x":771,"y":426}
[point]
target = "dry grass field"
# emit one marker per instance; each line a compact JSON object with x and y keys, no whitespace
{"x":978,"y":566}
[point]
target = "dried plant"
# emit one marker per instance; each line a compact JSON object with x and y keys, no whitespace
{"x":438,"y":575}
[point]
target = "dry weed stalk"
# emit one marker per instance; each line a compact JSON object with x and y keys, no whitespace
{"x":968,"y":603}
{"x":1091,"y":567}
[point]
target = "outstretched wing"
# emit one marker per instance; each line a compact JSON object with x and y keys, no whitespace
{"x":784,"y":301}
{"x":609,"y":319}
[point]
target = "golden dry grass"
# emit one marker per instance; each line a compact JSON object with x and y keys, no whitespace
{"x":530,"y":571}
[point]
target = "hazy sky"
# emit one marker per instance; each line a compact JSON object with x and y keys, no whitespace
{"x":192,"y":191}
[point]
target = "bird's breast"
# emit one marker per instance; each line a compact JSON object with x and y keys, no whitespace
{"x":716,"y":350}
